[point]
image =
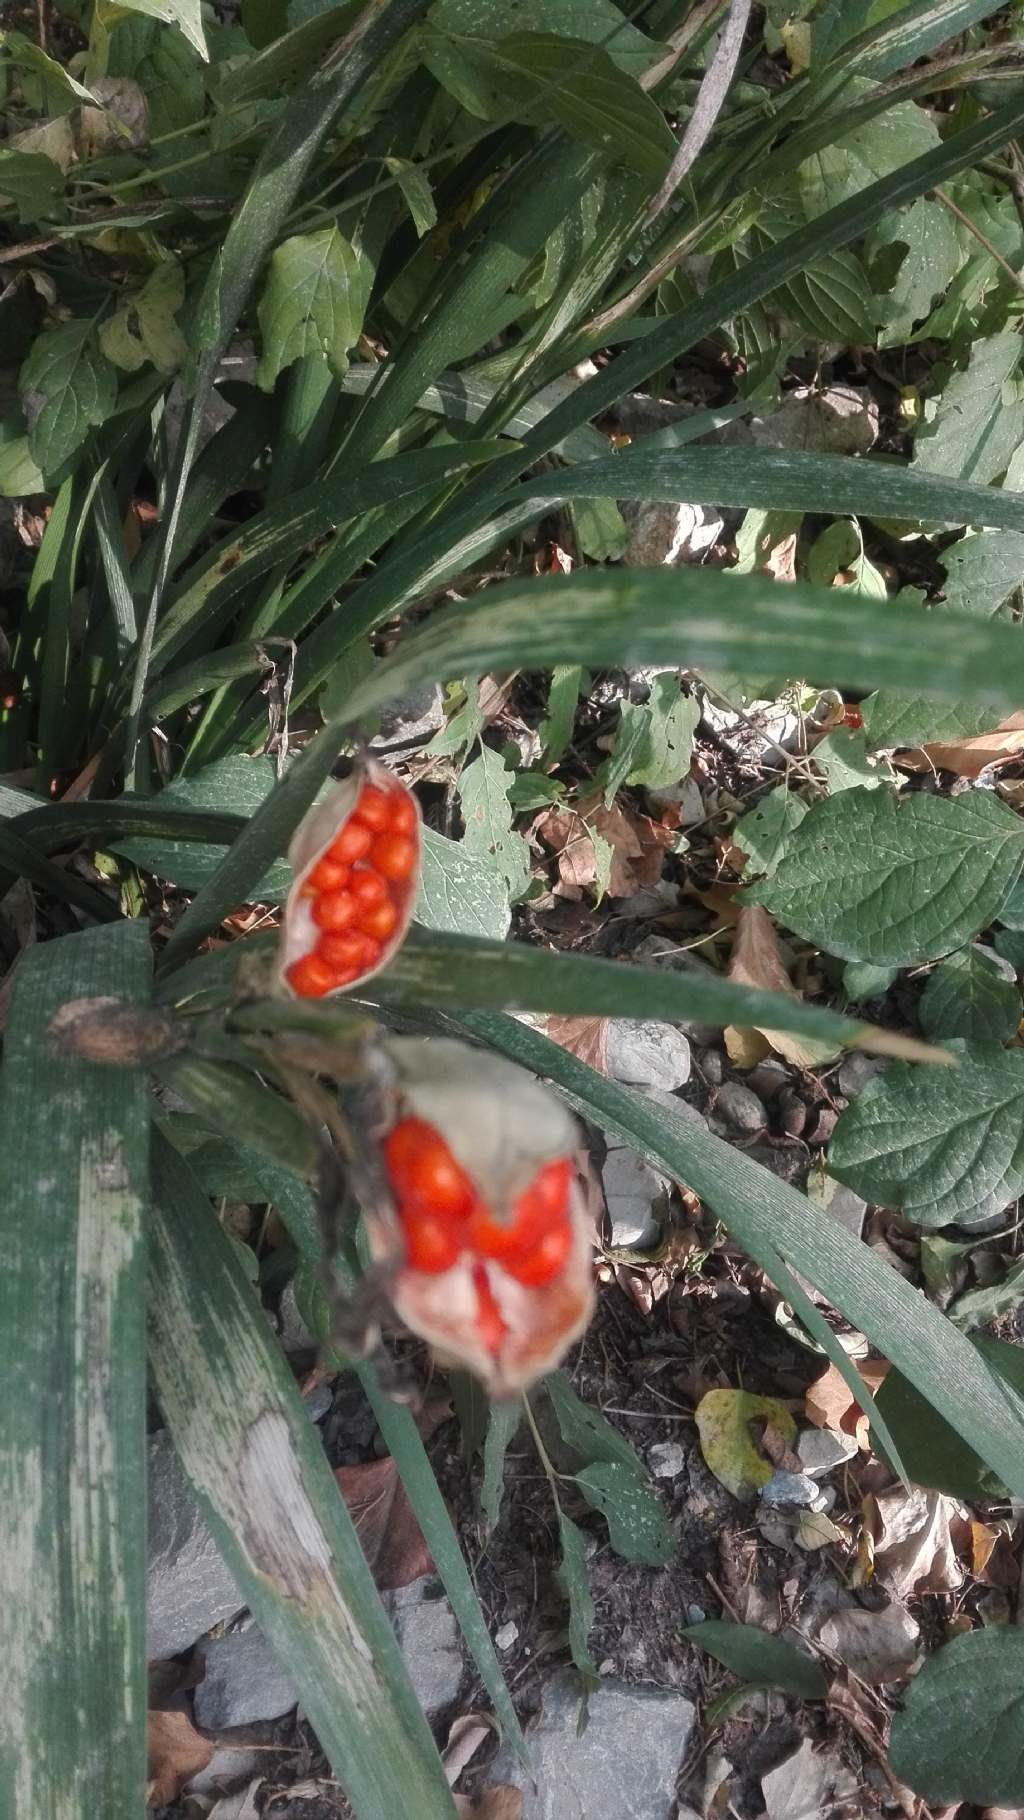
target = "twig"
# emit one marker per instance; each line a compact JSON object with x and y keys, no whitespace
{"x":709,"y":103}
{"x":982,"y":239}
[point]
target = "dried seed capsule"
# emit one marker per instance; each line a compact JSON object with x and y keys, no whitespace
{"x":356,"y":862}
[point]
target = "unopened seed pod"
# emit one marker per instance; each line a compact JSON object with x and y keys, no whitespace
{"x":487,"y":1220}
{"x":356,"y":860}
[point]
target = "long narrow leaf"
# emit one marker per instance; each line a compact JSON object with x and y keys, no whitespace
{"x":771,"y":1220}
{"x":73,"y":1136}
{"x":264,"y":1484}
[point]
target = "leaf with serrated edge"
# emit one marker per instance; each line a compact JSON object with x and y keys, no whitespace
{"x":969,"y":995}
{"x":960,"y":1735}
{"x":892,"y":721}
{"x":940,"y":1147}
{"x":70,"y":386}
{"x":870,"y":877}
{"x":312,"y":303}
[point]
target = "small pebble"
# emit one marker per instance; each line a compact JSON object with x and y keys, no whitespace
{"x":712,"y":1067}
{"x":740,"y":1108}
{"x":821,"y":1450}
{"x":695,"y":1614}
{"x":768,"y":1078}
{"x":647,"y":1055}
{"x":793,"y":1488}
{"x":856,"y":1071}
{"x":506,"y":1636}
{"x":666,"y":1459}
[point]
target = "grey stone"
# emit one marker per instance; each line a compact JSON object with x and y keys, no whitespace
{"x":410,"y":720}
{"x":793,"y":1488}
{"x":243,"y":1682}
{"x":847,"y":1207}
{"x":712,"y":1067}
{"x":188,"y":1586}
{"x":626,"y":1762}
{"x":666,"y":1459}
{"x":740,"y":1108}
{"x":768,"y":1078}
{"x":634,"y":1193}
{"x":821,"y":1450}
{"x":428,"y":1637}
{"x":855,"y":1071}
{"x":647,"y":1055}
{"x":842,"y":419}
{"x":662,"y":533}
{"x":506,"y":1636}
{"x":695,"y":1614}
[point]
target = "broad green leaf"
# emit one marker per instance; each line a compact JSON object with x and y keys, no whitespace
{"x":144,"y":329}
{"x":18,"y":472}
{"x":869,"y":876}
{"x":939,"y":1147}
{"x":832,"y":299}
{"x":871,"y":151}
{"x":924,"y":239}
{"x":670,"y":719}
{"x":762,"y":833}
{"x":983,"y":569}
{"x":841,"y":547}
{"x":72,"y":1469}
{"x":863,"y":980}
{"x":262,"y":1480}
{"x":457,"y":894}
{"x":723,"y":1423}
{"x":313,"y":302}
{"x":280,"y":65}
{"x":932,"y":1452}
{"x":710,"y":622}
{"x":33,"y":182}
{"x":960,"y":1735}
{"x":987,"y":1301}
{"x":588,"y":95}
{"x":600,"y":529}
{"x":638,"y":1528}
{"x":572,"y":1573}
{"x":759,"y":1658}
{"x":490,"y":839}
{"x":843,"y":757}
{"x":563,"y":697}
{"x":594,"y":21}
{"x":185,"y":14}
{"x":502,"y":1426}
{"x":585,"y":1429}
{"x":67,"y":386}
{"x":56,"y":90}
{"x":785,"y":1234}
{"x":1011,"y":914}
{"x":978,"y":421}
{"x":969,"y":995}
{"x":892,"y":721}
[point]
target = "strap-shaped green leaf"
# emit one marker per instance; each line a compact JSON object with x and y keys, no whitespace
{"x":259,"y":1472}
{"x":74,"y":1137}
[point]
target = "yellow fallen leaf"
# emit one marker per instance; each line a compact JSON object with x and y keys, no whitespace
{"x":756,"y":961}
{"x":723,"y":1423}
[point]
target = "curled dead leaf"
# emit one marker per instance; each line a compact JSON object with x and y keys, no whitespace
{"x":584,"y":1037}
{"x":503,"y":1802}
{"x":756,"y":961}
{"x":970,"y":756}
{"x":829,"y":1402}
{"x":175,"y":1752}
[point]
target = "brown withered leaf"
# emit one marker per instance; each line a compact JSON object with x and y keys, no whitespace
{"x":638,"y":845}
{"x":829,"y":1403}
{"x":502,"y":1802}
{"x":756,"y":961}
{"x":585,"y":1037}
{"x":175,"y":1752}
{"x":970,"y":756}
{"x":393,"y":1543}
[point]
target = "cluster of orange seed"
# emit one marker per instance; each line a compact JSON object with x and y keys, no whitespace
{"x":443,"y":1216}
{"x":358,"y":891}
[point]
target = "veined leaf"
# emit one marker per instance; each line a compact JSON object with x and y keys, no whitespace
{"x":961,"y":1732}
{"x":587,"y":94}
{"x":941,"y":1150}
{"x":490,"y":839}
{"x":33,"y":182}
{"x":892,"y":720}
{"x":969,"y":995}
{"x":263,"y":1482}
{"x":67,"y":385}
{"x":978,"y":420}
{"x":185,"y":14}
{"x":313,"y":302}
{"x":870,"y":877}
{"x":72,"y":1470}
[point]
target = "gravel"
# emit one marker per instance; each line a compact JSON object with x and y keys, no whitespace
{"x":647,"y":1055}
{"x":666,"y":1459}
{"x":740,"y":1108}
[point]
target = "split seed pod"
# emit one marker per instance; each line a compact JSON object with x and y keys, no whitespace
{"x":356,"y":860}
{"x":487,"y":1219}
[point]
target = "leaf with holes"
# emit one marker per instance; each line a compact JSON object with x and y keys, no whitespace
{"x":638,"y":1528}
{"x":978,"y":422}
{"x":939,"y":1147}
{"x":490,"y":838}
{"x":869,"y":877}
{"x":67,"y":385}
{"x":313,"y":302}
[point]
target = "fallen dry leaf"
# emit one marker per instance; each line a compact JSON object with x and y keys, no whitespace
{"x":393,"y":1543}
{"x":503,"y":1802}
{"x":175,"y":1751}
{"x":913,"y":1546}
{"x":829,"y":1403}
{"x":239,"y":1806}
{"x":756,"y":961}
{"x":638,"y":846}
{"x":584,"y":1037}
{"x":878,"y":1646}
{"x":467,"y":1733}
{"x":970,"y":756}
